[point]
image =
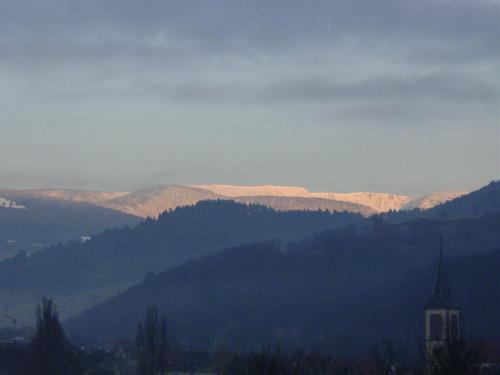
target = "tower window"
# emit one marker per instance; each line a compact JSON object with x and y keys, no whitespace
{"x":454,"y":327}
{"x":436,"y":327}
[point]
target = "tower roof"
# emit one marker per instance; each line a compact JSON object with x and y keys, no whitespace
{"x":441,"y":293}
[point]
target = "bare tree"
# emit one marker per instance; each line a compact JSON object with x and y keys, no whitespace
{"x":53,"y":354}
{"x":276,"y":362}
{"x":151,"y":341}
{"x":456,"y":357}
{"x":385,"y":356}
{"x":265,"y":362}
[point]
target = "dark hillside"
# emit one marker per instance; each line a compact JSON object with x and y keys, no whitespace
{"x":43,"y":222}
{"x":484,"y":201}
{"x":365,"y":283}
{"x":124,"y":256}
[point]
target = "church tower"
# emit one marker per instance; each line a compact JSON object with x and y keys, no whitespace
{"x":442,"y":315}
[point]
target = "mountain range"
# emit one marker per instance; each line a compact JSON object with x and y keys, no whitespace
{"x":152,"y":201}
{"x":33,"y":219}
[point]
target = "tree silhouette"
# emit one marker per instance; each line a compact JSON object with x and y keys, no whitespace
{"x":53,"y":354}
{"x":457,"y":357}
{"x":265,"y":362}
{"x":151,"y":341}
{"x":278,"y":362}
{"x":385,"y":357}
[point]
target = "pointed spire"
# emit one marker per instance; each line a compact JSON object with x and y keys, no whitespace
{"x":441,"y":293}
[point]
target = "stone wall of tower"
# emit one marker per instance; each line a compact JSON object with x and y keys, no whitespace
{"x":450,"y":327}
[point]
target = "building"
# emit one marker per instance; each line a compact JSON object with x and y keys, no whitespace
{"x":16,"y":358}
{"x":443,"y":317}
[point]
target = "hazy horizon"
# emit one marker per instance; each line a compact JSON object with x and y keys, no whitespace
{"x":142,"y":187}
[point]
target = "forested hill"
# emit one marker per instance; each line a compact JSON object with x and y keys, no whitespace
{"x":124,"y":256}
{"x":365,"y":283}
{"x":483,"y":201}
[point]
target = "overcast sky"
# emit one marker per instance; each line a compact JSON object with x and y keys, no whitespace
{"x":386,"y":95}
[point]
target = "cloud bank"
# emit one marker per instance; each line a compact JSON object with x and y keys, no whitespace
{"x":342,"y":64}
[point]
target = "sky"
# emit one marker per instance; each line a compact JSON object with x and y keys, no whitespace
{"x":389,"y":95}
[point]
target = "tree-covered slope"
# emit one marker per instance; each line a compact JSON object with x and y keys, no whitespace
{"x":483,"y":201}
{"x":366,"y":283}
{"x":119,"y":256}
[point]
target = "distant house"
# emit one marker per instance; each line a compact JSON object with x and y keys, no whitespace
{"x":491,"y":364}
{"x":85,"y":239}
{"x":15,"y":358}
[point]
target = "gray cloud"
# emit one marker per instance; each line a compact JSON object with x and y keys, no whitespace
{"x":442,"y":87}
{"x":185,"y":72}
{"x":423,"y":39}
{"x":128,"y":27}
{"x":434,"y":86}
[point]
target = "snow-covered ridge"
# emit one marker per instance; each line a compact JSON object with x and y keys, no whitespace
{"x":380,"y":202}
{"x":431,"y":200}
{"x":95,"y":197}
{"x":256,"y":191}
{"x":152,"y":201}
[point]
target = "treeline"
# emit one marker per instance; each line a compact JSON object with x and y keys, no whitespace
{"x":51,"y":353}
